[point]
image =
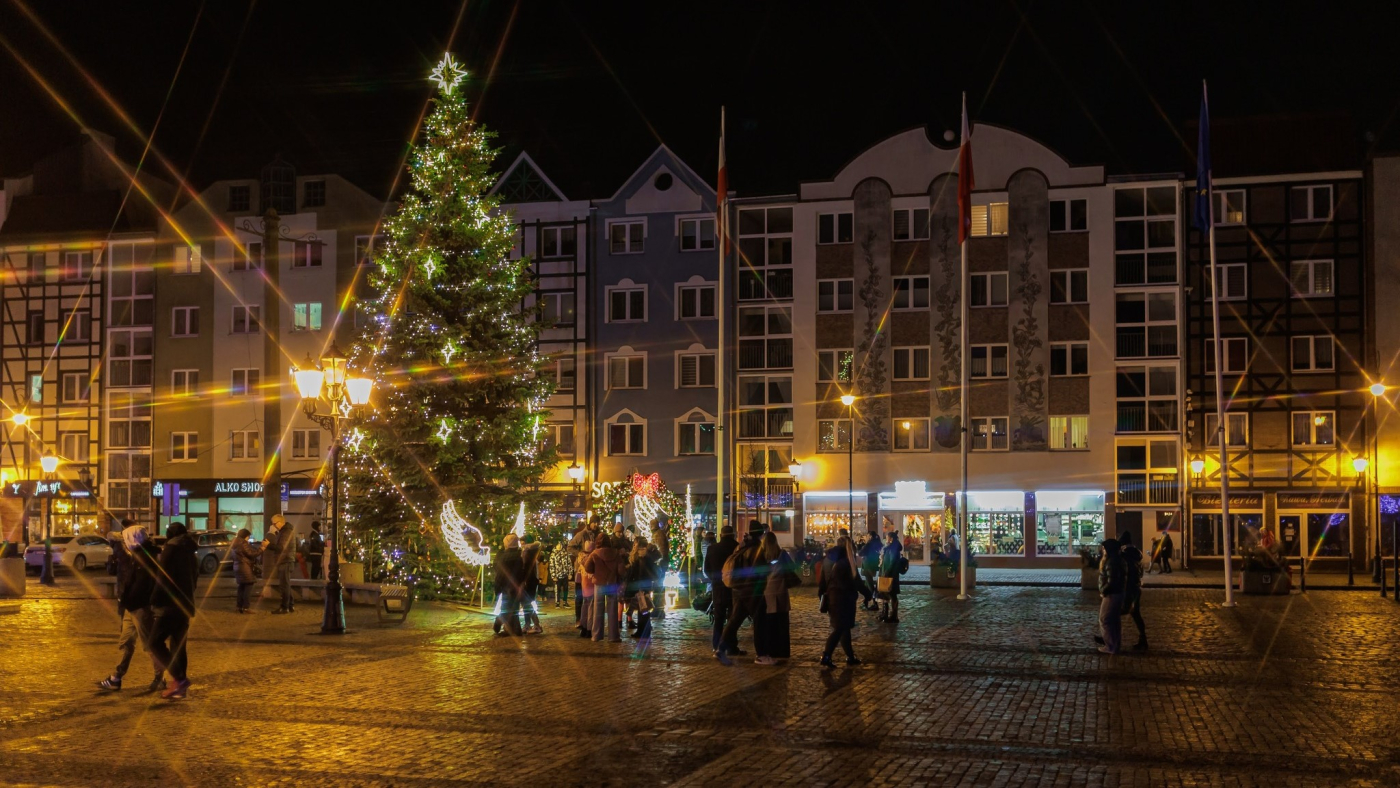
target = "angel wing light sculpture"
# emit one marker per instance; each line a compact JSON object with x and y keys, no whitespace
{"x":455,"y":530}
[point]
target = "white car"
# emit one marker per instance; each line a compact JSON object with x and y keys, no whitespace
{"x":74,"y":552}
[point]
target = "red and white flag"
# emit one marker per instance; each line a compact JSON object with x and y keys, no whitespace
{"x":722,"y":189}
{"x":965,"y":183}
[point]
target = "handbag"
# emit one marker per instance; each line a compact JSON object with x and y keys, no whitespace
{"x":643,"y":602}
{"x":885,"y":585}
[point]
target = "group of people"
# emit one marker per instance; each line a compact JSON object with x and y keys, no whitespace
{"x":1120,"y":591}
{"x":279,"y":549}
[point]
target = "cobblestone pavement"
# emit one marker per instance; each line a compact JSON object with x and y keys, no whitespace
{"x":1003,"y":690}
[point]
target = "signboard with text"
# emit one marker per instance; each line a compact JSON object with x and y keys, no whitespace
{"x":1238,"y":500}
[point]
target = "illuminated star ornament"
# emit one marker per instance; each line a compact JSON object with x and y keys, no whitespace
{"x":430,"y":267}
{"x":448,"y":351}
{"x":448,"y":74}
{"x":519,"y":529}
{"x":354,"y":440}
{"x":444,"y":430}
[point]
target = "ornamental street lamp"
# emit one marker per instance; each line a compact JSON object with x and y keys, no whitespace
{"x":849,"y":400}
{"x":49,"y":464}
{"x":329,"y":385}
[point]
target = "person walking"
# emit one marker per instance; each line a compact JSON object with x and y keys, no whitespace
{"x":777,"y":604}
{"x":1111,"y":587}
{"x":280,"y":545}
{"x":892,"y":565}
{"x":869,"y":554}
{"x":1132,"y":586}
{"x":530,"y":585}
{"x":837,"y":590}
{"x":136,"y":578}
{"x":172,"y":605}
{"x":1164,"y":552}
{"x":245,"y":556}
{"x":605,"y":565}
{"x":315,"y":550}
{"x":746,"y":592}
{"x":641,"y":580}
{"x":510,"y":581}
{"x":560,"y":573}
{"x":587,"y":533}
{"x":586,"y":590}
{"x":721,"y":598}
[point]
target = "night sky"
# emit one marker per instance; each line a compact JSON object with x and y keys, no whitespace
{"x":591,"y":88}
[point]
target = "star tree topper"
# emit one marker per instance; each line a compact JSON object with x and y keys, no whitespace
{"x":448,"y":73}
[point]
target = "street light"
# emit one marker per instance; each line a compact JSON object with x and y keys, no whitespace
{"x":1374,"y":509}
{"x":849,"y":400}
{"x":1197,"y":466}
{"x":328,"y":383}
{"x":49,"y":464}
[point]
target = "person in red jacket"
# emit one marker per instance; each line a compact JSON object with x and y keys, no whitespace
{"x":606,"y":565}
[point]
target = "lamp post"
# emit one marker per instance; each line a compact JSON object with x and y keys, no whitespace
{"x":328,"y":384}
{"x":21,"y":419}
{"x":795,"y":471}
{"x":576,"y":474}
{"x":1358,"y":464}
{"x":49,"y":464}
{"x":1374,"y":507}
{"x":1198,"y":465}
{"x":849,"y":400}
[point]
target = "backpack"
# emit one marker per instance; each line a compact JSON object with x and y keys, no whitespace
{"x":903,"y":565}
{"x":733,"y":568}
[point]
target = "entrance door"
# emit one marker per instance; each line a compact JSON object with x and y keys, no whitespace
{"x":1290,"y":533}
{"x":1130,"y":521}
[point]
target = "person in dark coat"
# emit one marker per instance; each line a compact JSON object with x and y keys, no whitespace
{"x":1111,"y":586}
{"x":529,"y":587}
{"x":661,"y":544}
{"x":746,"y":590}
{"x":837,"y":590}
{"x":1132,"y":586}
{"x":777,"y":604}
{"x":315,"y":550}
{"x":510,"y":583}
{"x":721,"y":598}
{"x":245,"y":561}
{"x":891,"y":566}
{"x":172,"y":604}
{"x":1164,"y":553}
{"x":869,"y":553}
{"x":280,"y":548}
{"x":136,"y":580}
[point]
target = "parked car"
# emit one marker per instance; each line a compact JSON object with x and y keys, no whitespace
{"x":212,"y":550}
{"x":73,"y":552}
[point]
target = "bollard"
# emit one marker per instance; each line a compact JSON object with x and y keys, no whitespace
{"x":1303,"y":574}
{"x":1395,"y":555}
{"x":1351,"y":578}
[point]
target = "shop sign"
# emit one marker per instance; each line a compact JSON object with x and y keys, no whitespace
{"x":1315,"y":500}
{"x":1238,"y":500}
{"x":600,"y":489}
{"x":205,"y":488}
{"x":36,"y":489}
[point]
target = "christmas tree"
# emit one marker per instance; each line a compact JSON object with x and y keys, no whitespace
{"x":459,"y":390}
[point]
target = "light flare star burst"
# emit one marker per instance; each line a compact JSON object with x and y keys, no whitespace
{"x":448,"y":74}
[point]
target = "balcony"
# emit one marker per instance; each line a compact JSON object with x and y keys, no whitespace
{"x":1132,"y":417}
{"x":757,"y":284}
{"x":1148,"y":489}
{"x":1146,"y":341}
{"x":764,"y":493}
{"x":765,"y":353}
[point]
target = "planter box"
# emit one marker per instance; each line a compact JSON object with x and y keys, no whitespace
{"x":946,"y":577}
{"x":1257,"y":582}
{"x":12,"y":577}
{"x":1088,"y":578}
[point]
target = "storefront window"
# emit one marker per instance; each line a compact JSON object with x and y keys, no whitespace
{"x":826,"y":514}
{"x":996,"y":523}
{"x":1330,"y":534}
{"x":1066,"y":521}
{"x":1207,"y":534}
{"x":236,"y":513}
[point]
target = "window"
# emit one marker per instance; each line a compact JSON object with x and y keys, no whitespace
{"x":989,"y":219}
{"x":695,"y":435}
{"x":627,"y":435}
{"x":1146,"y":399}
{"x":627,"y":372}
{"x":988,"y":289}
{"x":307,"y":254}
{"x":77,"y":266}
{"x":129,"y":420}
{"x":911,"y":435}
{"x":1236,"y":435}
{"x":1233,"y":279}
{"x":131,"y":295}
{"x":627,"y":304}
{"x":248,"y":258}
{"x":696,"y":370}
{"x":1228,"y":205}
{"x":184,"y":321}
{"x":1144,"y":236}
{"x":696,"y":302}
{"x":245,"y":320}
{"x":834,"y":435}
{"x":1313,"y":354}
{"x":1236,"y":354}
{"x":835,"y":365}
{"x":239,"y":198}
{"x":697,"y":234}
{"x":1069,"y":216}
{"x":306,"y":444}
{"x":244,"y":445}
{"x":1311,"y":278}
{"x":1146,"y":324}
{"x":910,"y":224}
{"x":36,"y":389}
{"x":765,"y":251}
{"x":911,"y":363}
{"x":366,"y":246}
{"x":835,"y":295}
{"x":835,"y":228}
{"x":558,"y":241}
{"x":1069,"y":433}
{"x":188,"y":260}
{"x":565,"y":380}
{"x":911,"y":292}
{"x":988,"y":361}
{"x":1147,"y":471}
{"x":765,"y":406}
{"x":79,"y":327}
{"x":184,"y":446}
{"x":625,"y":237}
{"x":129,"y":358}
{"x":1310,"y":203}
{"x":765,"y":337}
{"x":76,"y":447}
{"x":313,"y":194}
{"x":557,"y":309}
{"x":1314,"y":428}
{"x":245,"y":382}
{"x":75,"y":386}
{"x":1069,"y":359}
{"x":306,"y":317}
{"x":560,"y":437}
{"x":989,"y":433}
{"x":184,"y":382}
{"x":1069,"y":286}
{"x":36,"y":327}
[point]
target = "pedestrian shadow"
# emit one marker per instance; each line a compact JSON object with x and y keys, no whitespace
{"x":836,"y":680}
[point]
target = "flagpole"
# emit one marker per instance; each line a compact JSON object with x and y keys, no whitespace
{"x":1220,"y":405}
{"x":965,"y":185}
{"x":721,"y":311}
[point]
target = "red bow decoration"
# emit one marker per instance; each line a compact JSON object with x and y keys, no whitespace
{"x":646,"y":486}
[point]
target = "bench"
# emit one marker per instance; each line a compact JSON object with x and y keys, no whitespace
{"x":106,"y":586}
{"x":395,"y":602}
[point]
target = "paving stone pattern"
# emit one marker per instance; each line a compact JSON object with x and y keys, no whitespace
{"x":1004,"y":690}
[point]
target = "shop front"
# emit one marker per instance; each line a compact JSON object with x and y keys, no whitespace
{"x":70,"y":510}
{"x":826,"y":514}
{"x":918,"y":516}
{"x":232,"y":504}
{"x":1318,"y":522}
{"x":1066,"y":521}
{"x":1210,"y":537}
{"x":996,"y":523}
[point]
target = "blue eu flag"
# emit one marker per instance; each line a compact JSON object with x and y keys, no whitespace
{"x":1202,"y":216}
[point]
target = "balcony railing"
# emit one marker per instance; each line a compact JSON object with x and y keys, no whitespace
{"x":765,"y":353}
